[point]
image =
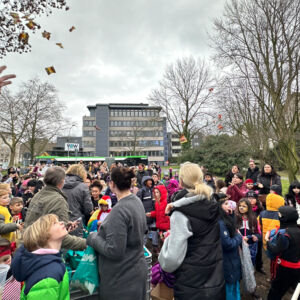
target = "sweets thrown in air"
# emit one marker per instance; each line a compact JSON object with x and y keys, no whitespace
{"x":220,"y":127}
{"x":23,"y":37}
{"x":30,"y":25}
{"x":16,"y":17}
{"x":60,"y":45}
{"x":50,"y":70}
{"x":72,"y":28}
{"x":211,"y":89}
{"x":183,"y":139}
{"x":46,"y":35}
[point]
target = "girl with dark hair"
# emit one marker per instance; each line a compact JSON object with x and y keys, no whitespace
{"x":266,"y":179}
{"x":119,"y":243}
{"x":237,"y":189}
{"x":231,"y":240}
{"x":292,"y":198}
{"x":248,"y":226}
{"x":228,"y":178}
{"x":96,"y":188}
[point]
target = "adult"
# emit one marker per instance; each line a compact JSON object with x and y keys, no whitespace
{"x":51,"y":200}
{"x":5,"y":80}
{"x":119,"y":243}
{"x":253,"y":171}
{"x":140,"y":174}
{"x":78,"y":196}
{"x":235,"y":169}
{"x":193,"y":250}
{"x":265,"y":180}
{"x":96,"y":188}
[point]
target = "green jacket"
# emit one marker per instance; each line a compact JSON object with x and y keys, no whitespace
{"x":51,"y":200}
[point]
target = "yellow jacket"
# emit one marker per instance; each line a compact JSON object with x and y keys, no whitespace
{"x":7,"y":228}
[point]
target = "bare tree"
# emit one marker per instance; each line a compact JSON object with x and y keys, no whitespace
{"x":17,"y":20}
{"x":14,"y":119}
{"x":259,"y":42}
{"x":184,"y":94}
{"x":46,"y":115}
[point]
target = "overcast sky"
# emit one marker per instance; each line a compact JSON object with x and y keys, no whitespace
{"x":118,"y":51}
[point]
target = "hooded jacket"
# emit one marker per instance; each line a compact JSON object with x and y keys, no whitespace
{"x":193,"y":250}
{"x":162,"y":221}
{"x":45,"y":275}
{"x":268,"y":218}
{"x":145,"y":194}
{"x":79,"y":200}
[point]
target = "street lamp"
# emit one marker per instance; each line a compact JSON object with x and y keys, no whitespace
{"x":73,"y":125}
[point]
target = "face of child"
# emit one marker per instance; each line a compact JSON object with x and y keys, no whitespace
{"x":4,"y":200}
{"x":296,"y":190}
{"x":252,"y":201}
{"x":149,"y":183}
{"x":103,"y":207}
{"x":5,"y":259}
{"x":249,"y":186}
{"x":207,"y":178}
{"x":243,"y":208}
{"x":31,"y":189}
{"x":155,"y":178}
{"x":57,"y":231}
{"x":226,"y":207}
{"x":156,"y":194}
{"x":95,"y":192}
{"x":16,"y":208}
{"x":237,"y":180}
{"x":88,"y":182}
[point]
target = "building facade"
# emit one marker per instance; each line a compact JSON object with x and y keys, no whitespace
{"x":125,"y":129}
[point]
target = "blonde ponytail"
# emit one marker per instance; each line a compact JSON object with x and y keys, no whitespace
{"x":202,"y":189}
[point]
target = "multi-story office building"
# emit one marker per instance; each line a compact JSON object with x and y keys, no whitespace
{"x":125,"y":129}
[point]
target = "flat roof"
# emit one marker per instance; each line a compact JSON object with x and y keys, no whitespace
{"x":125,"y":105}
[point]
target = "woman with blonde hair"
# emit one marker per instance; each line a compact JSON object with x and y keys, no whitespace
{"x":193,"y":250}
{"x":38,"y":262}
{"x":78,"y":196}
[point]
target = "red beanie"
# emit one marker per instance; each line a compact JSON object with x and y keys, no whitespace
{"x":249,"y":181}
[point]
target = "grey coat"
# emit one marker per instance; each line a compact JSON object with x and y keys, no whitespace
{"x":119,"y":244}
{"x":79,"y":200}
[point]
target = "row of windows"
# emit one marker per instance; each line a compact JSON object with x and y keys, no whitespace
{"x":136,"y":143}
{"x":89,"y":133}
{"x":89,"y":123}
{"x":135,"y":124}
{"x":122,"y":133}
{"x":176,"y":144}
{"x":133,"y":113}
{"x":89,"y":144}
{"x":128,"y":153}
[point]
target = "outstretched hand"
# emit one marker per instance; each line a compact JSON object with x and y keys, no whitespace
{"x":4,"y":80}
{"x":168,"y":208}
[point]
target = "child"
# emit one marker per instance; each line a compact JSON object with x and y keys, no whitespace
{"x":249,"y":184}
{"x":286,"y":248}
{"x":17,"y":211}
{"x":292,"y":198}
{"x":248,"y":226}
{"x":100,"y":214}
{"x":236,"y":190}
{"x":29,"y":193}
{"x":38,"y":262}
{"x":12,"y":288}
{"x":231,"y":240}
{"x":7,"y":228}
{"x":162,"y":221}
{"x":208,"y":179}
{"x":268,"y":219}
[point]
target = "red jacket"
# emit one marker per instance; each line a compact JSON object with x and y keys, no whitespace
{"x":162,"y":221}
{"x":236,"y":192}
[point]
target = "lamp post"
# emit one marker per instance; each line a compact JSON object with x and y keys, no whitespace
{"x":73,"y":125}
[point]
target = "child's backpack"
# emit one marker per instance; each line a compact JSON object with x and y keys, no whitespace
{"x":273,"y":239}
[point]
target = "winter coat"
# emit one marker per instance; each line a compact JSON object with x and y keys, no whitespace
{"x":236,"y":192}
{"x":267,"y":181}
{"x":231,"y":256}
{"x":45,"y":275}
{"x":193,"y":250}
{"x":146,"y":196}
{"x":119,"y":245}
{"x":252,"y":174}
{"x":7,"y":227}
{"x":51,"y":200}
{"x":139,"y":178}
{"x":228,"y":178}
{"x":79,"y":200}
{"x":268,"y":219}
{"x":162,"y":221}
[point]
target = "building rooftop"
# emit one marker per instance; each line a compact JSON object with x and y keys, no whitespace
{"x":125,"y":105}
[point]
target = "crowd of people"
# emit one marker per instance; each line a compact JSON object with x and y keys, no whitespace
{"x":194,"y":224}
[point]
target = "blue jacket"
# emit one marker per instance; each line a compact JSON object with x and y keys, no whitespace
{"x":231,"y":257}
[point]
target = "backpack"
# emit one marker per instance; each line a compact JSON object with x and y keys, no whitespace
{"x":273,"y":239}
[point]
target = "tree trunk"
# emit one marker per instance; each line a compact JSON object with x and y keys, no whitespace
{"x":12,"y":156}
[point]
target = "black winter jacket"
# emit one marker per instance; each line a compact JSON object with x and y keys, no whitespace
{"x":267,"y":181}
{"x":252,"y":174}
{"x":201,"y":276}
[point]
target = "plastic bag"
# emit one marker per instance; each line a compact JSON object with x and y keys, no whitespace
{"x":249,"y":282}
{"x":3,"y":272}
{"x":86,"y":276}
